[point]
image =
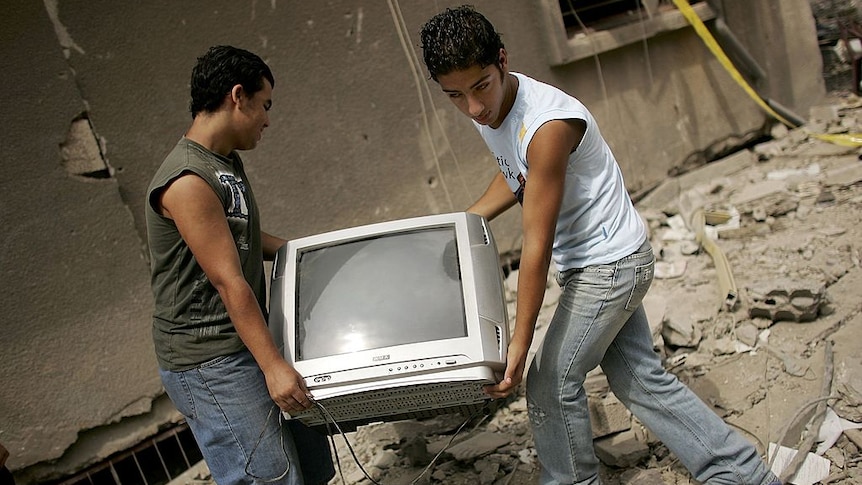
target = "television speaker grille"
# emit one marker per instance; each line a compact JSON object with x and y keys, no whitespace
{"x":414,"y":401}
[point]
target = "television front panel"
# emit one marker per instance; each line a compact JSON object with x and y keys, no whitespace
{"x":404,"y":318}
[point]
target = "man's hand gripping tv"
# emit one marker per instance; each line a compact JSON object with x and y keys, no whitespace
{"x":287,"y":388}
{"x":516,"y":361}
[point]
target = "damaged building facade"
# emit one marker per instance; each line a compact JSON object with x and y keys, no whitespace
{"x":358,"y":134}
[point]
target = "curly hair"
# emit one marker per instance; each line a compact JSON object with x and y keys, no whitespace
{"x":459,"y":38}
{"x":219,"y":70}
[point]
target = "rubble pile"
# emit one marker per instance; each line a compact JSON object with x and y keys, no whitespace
{"x":757,"y":326}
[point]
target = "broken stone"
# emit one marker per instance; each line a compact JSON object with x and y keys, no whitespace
{"x":757,"y":191}
{"x":772,"y":148}
{"x":596,"y":383}
{"x":680,"y":330}
{"x":779,"y":131}
{"x":642,"y":477}
{"x":385,"y":459}
{"x":621,"y":450}
{"x":843,"y":176}
{"x":792,"y":365}
{"x":527,"y":456}
{"x":779,"y":204}
{"x":390,"y":433}
{"x":836,"y":456}
{"x":478,"y":445}
{"x":689,"y":248}
{"x":786,"y":300}
{"x":721,"y":346}
{"x":415,"y":449}
{"x":818,"y":148}
{"x":670,"y":269}
{"x":827,"y":113}
{"x":789,"y":173}
{"x":747,"y":334}
{"x":825,"y":197}
{"x":655,"y":307}
{"x":608,"y":415}
{"x":488,"y":470}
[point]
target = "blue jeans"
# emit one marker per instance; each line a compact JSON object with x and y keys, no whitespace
{"x":600,"y":321}
{"x":236,"y":424}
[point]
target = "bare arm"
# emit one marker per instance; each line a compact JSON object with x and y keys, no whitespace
{"x":271,"y":245}
{"x":200,"y":219}
{"x":498,"y":197}
{"x":547,"y":155}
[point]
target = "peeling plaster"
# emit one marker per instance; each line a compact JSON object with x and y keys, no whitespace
{"x":81,"y":153}
{"x":53,"y":9}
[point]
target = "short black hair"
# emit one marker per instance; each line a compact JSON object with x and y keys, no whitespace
{"x":219,"y":70}
{"x":457,"y":39}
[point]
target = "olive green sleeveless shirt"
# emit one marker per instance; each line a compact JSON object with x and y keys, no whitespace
{"x":190,"y":322}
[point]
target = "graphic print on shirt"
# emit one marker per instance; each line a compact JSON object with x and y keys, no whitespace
{"x":514,"y":178}
{"x":237,"y":206}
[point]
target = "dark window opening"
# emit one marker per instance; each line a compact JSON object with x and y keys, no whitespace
{"x":156,"y":461}
{"x":586,"y":16}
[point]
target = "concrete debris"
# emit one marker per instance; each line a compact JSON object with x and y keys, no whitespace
{"x":843,"y":176}
{"x":477,"y":445}
{"x":679,"y":330}
{"x":642,"y":477}
{"x":827,"y":113}
{"x":621,"y":450}
{"x":746,"y":333}
{"x":786,"y":299}
{"x":608,"y":415}
{"x":669,"y":269}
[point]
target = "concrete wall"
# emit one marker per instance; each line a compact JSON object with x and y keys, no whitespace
{"x":358,"y":135}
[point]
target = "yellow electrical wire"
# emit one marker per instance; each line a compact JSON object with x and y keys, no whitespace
{"x":846,"y":139}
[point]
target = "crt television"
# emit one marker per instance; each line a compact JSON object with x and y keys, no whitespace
{"x":393,"y":320}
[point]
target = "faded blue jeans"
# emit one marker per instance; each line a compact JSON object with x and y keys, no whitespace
{"x":236,"y":424}
{"x":600,"y":321}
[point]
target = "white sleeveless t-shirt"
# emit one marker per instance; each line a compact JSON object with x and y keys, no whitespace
{"x":597,"y":223}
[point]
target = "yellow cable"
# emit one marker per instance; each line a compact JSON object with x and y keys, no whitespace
{"x":848,"y":139}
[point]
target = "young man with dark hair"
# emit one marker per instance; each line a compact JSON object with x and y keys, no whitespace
{"x":577,"y":213}
{"x":217,"y":359}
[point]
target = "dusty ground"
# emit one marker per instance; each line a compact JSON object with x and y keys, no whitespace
{"x":764,"y":343}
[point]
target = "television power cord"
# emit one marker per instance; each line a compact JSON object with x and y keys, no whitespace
{"x":259,"y":438}
{"x":328,"y":418}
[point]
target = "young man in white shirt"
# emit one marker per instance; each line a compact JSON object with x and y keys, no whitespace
{"x":577,"y":213}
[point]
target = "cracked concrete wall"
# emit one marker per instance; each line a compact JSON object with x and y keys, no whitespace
{"x":358,"y":135}
{"x":75,"y":286}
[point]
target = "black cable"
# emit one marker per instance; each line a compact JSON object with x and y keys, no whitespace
{"x":327,"y":418}
{"x":259,"y":438}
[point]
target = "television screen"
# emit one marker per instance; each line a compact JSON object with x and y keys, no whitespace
{"x":377,"y":292}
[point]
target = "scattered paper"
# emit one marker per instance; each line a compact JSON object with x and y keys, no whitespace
{"x":831,"y":429}
{"x":813,"y":469}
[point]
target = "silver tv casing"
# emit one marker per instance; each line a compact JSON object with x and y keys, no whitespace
{"x":412,"y":380}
